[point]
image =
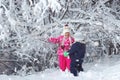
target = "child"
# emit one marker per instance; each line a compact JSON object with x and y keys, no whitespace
{"x":77,"y":53}
{"x":64,"y":41}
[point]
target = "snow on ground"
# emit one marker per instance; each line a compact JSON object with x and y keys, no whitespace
{"x":107,"y":69}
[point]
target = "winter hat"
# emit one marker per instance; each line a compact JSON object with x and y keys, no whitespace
{"x":79,"y":37}
{"x":66,"y":29}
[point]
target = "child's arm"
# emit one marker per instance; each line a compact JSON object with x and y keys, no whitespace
{"x":54,"y":40}
{"x":71,"y":51}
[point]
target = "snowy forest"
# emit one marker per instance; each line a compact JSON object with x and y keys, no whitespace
{"x":26,"y":25}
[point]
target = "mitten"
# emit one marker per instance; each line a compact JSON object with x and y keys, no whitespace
{"x":66,"y":54}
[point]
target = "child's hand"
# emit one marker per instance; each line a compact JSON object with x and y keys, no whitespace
{"x":65,"y":54}
{"x":49,"y":39}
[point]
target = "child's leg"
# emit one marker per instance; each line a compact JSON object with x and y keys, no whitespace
{"x":73,"y":69}
{"x":62,"y":62}
{"x":79,"y":67}
{"x":68,"y":61}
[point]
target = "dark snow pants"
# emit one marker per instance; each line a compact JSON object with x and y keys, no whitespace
{"x":76,"y":67}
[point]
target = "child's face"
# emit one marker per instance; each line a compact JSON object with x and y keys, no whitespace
{"x":67,"y":34}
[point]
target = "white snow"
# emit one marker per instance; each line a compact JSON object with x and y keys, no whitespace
{"x":54,"y":5}
{"x":99,"y":19}
{"x":96,"y":43}
{"x":107,"y":69}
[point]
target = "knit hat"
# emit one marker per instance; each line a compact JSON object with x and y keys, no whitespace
{"x":66,"y":29}
{"x":79,"y":37}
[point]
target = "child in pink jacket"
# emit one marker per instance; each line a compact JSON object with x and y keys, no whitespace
{"x":64,"y":41}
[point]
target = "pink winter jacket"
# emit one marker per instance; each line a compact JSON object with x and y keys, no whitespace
{"x":62,"y":41}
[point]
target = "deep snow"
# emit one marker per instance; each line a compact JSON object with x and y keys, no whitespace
{"x":105,"y":69}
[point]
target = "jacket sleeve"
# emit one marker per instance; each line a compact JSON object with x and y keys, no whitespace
{"x":72,"y":49}
{"x":54,"y":40}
